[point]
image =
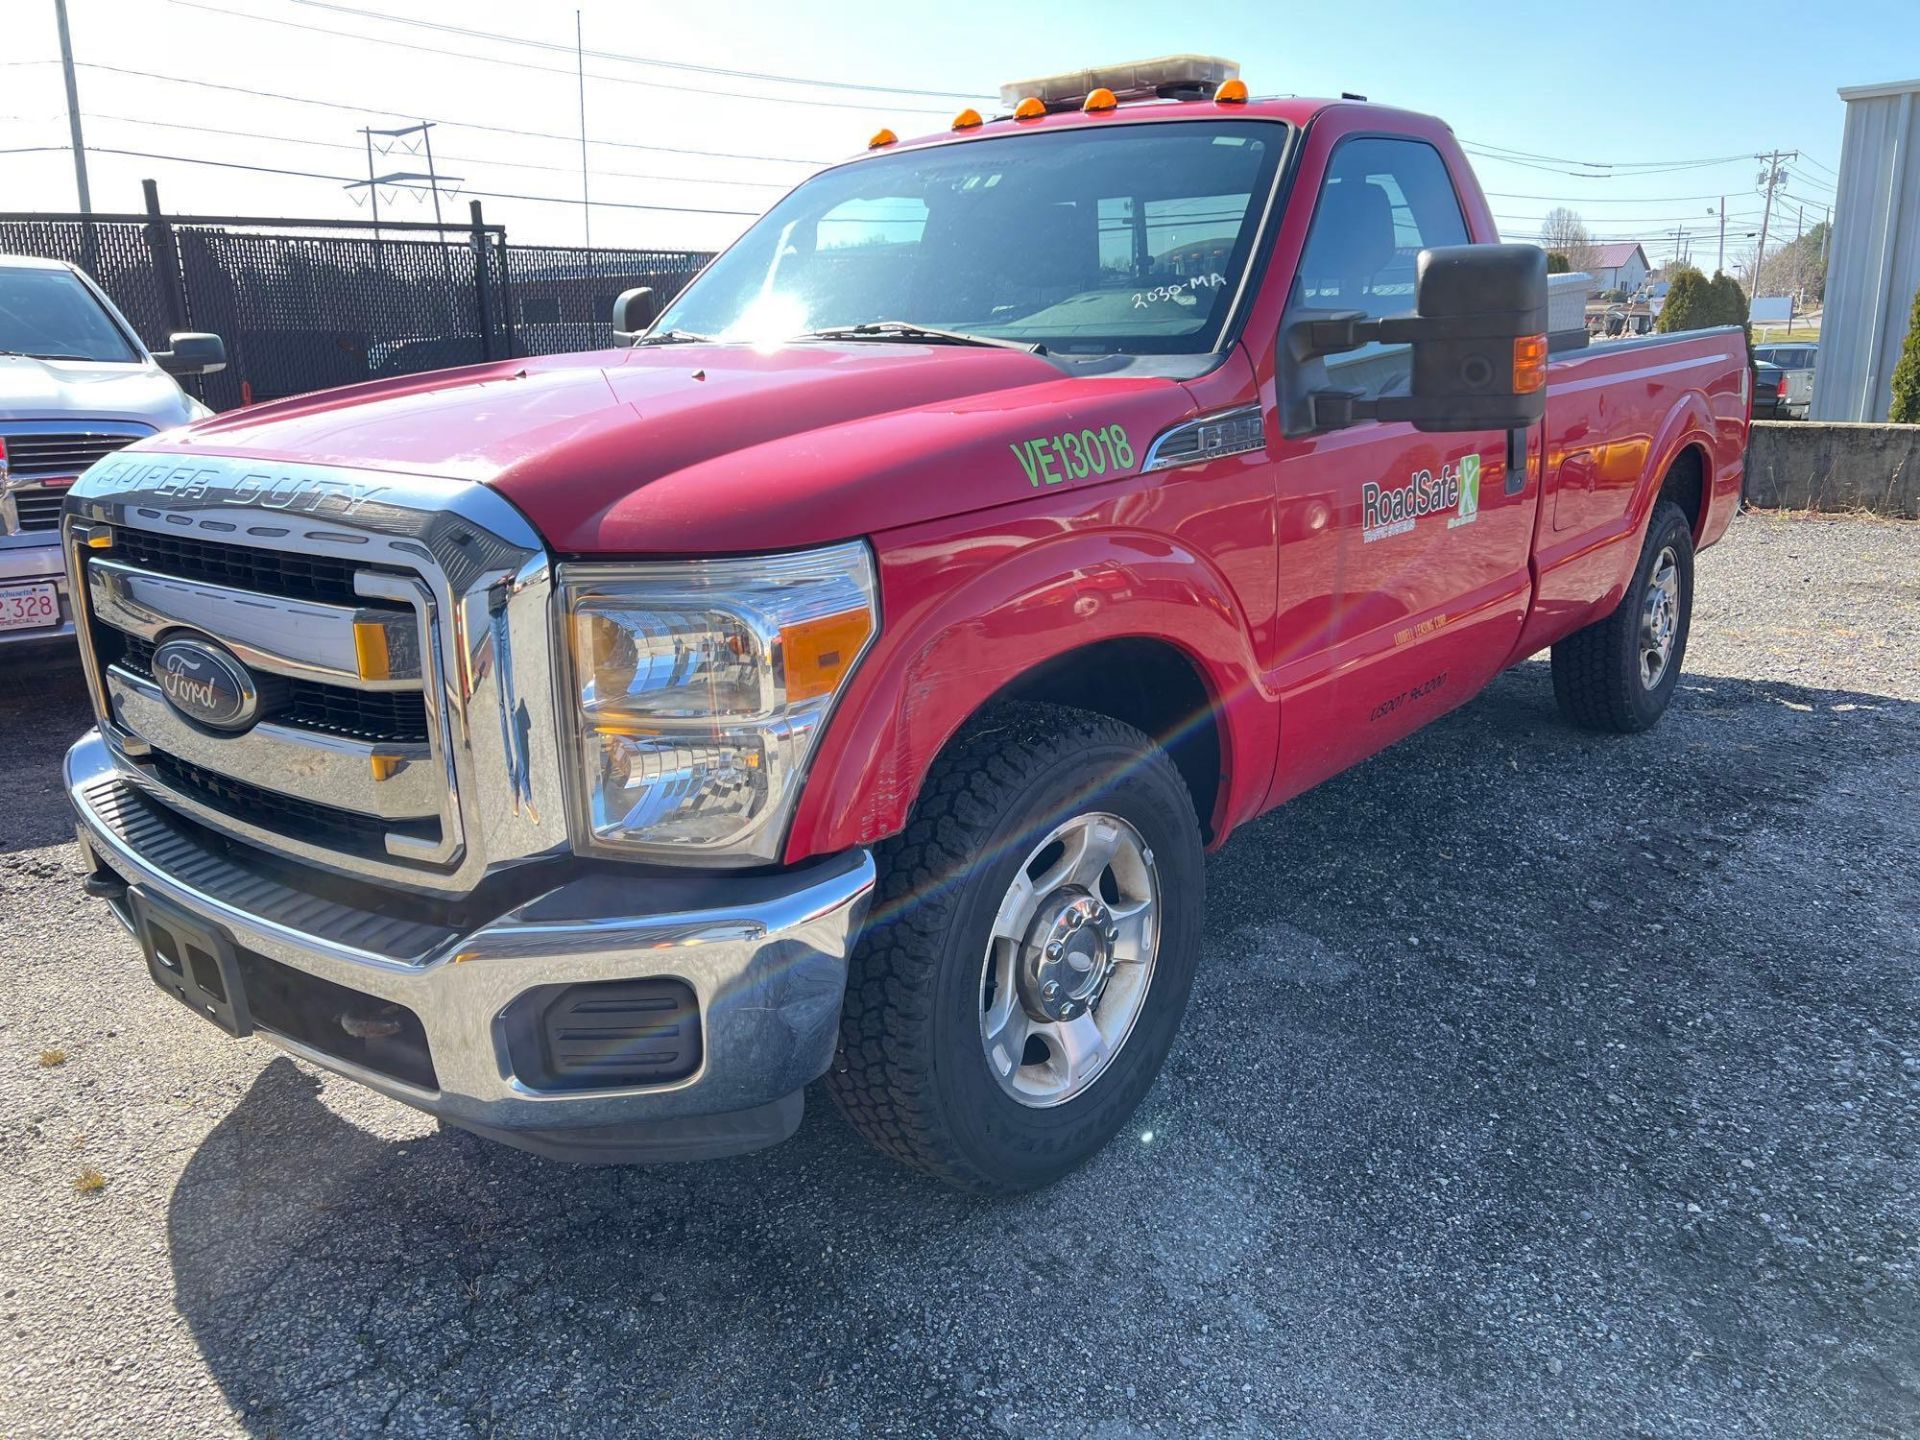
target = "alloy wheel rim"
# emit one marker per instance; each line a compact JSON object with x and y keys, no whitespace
{"x":1070,"y":960}
{"x":1659,"y":619}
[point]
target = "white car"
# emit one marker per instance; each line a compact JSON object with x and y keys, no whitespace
{"x":75,"y":384}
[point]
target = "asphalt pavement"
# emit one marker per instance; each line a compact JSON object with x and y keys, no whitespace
{"x":1535,"y":1083}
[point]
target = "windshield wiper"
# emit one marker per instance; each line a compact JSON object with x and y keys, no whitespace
{"x":908,"y":331}
{"x":674,"y":337}
{"x":36,"y":355}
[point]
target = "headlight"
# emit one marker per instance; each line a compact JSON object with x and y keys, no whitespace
{"x":698,"y":689}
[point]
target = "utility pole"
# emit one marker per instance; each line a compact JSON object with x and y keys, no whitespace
{"x":373,"y":190}
{"x":1720,"y":268}
{"x":580,"y":70}
{"x":73,"y":109}
{"x":1773,"y":178}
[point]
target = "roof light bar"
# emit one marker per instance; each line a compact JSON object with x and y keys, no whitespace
{"x":1171,"y":77}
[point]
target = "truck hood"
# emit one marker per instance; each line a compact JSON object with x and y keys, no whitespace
{"x":712,"y":448}
{"x":137,"y":392}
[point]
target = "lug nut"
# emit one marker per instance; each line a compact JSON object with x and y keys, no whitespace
{"x":1050,"y":989}
{"x":1075,"y":919}
{"x":1054,"y":951}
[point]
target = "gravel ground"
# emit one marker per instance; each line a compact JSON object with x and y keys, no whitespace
{"x":1534,"y":1084}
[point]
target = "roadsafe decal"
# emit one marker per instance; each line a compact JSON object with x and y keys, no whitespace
{"x":1384,"y":513}
{"x":1073,"y":454}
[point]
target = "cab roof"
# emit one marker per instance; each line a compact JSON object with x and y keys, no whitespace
{"x":1296,"y":110}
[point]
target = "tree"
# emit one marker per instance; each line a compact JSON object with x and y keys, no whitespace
{"x":1557,"y":263}
{"x":1689,"y":303}
{"x":1905,"y":409}
{"x":1563,"y":230}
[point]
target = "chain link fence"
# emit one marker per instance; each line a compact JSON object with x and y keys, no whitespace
{"x":306,"y":305}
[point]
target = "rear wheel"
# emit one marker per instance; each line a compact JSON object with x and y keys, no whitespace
{"x":1619,"y":673}
{"x":1030,"y":951}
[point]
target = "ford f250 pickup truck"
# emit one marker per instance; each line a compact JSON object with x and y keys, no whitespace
{"x":848,"y":677}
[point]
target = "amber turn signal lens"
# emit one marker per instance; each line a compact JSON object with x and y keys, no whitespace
{"x":1031,"y":108}
{"x":370,"y":650}
{"x":1099,"y":99}
{"x":966,"y":119}
{"x":818,"y":653}
{"x":1231,"y":92}
{"x":882,"y":137}
{"x":1529,"y":364}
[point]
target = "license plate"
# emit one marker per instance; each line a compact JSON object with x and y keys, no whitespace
{"x":28,"y":607}
{"x":192,"y":961}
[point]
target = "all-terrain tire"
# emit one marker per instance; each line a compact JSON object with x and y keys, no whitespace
{"x":911,"y":1075}
{"x":1598,"y":677}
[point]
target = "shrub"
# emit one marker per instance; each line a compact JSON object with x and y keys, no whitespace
{"x":1557,"y":263}
{"x":1906,"y":375}
{"x":1689,"y":302}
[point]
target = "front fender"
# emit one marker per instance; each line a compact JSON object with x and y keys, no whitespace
{"x":965,"y":617}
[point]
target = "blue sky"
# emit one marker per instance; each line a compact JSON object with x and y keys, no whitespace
{"x":1619,"y":85}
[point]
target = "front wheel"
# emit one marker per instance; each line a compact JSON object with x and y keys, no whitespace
{"x":1619,"y":673}
{"x":1029,"y":954}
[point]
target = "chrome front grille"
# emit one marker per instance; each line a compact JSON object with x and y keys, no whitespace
{"x":395,"y":636}
{"x":37,"y":464}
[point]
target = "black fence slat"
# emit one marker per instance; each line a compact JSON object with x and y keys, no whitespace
{"x":305,"y":310}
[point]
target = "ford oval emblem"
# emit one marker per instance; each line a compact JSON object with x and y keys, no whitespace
{"x":204,"y":683}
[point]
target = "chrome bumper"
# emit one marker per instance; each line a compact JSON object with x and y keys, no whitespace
{"x":43,"y":565}
{"x":765,"y":956}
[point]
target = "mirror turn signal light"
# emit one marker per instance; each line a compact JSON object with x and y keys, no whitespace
{"x":967,"y":119}
{"x":882,"y":137}
{"x":1529,"y":364}
{"x":1098,"y":99}
{"x":1231,"y":92}
{"x":1031,"y":108}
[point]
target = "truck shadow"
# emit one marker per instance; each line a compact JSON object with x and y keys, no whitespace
{"x":1511,"y":1092}
{"x":43,"y":709}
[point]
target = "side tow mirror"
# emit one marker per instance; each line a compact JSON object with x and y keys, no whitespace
{"x":632,"y":313}
{"x":1479,"y":340}
{"x":192,"y":352}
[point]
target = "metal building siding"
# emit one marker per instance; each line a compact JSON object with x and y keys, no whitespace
{"x":1874,"y":265}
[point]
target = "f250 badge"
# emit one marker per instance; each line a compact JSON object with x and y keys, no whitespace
{"x":1394,"y":512}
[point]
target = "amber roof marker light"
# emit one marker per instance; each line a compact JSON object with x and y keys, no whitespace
{"x":1231,"y":92}
{"x":967,"y":119}
{"x":1099,"y":99}
{"x":1031,"y":108}
{"x":881,"y":138}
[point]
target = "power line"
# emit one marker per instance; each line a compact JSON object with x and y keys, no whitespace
{"x":683,"y":65}
{"x":523,"y":65}
{"x":351,"y":179}
{"x":1599,"y":199}
{"x":452,"y":159}
{"x":461,"y":124}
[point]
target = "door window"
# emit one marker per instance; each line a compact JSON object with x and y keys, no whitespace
{"x":1382,"y":203}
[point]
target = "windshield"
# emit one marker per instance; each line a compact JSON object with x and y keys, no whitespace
{"x":1130,"y":240}
{"x":50,"y":315}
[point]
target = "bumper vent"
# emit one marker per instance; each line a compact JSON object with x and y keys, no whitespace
{"x":605,"y":1035}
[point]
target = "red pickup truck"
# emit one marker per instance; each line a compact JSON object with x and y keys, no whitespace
{"x":847,"y":677}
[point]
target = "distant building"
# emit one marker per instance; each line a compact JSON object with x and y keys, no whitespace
{"x":1618,"y":267}
{"x":1873,"y":267}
